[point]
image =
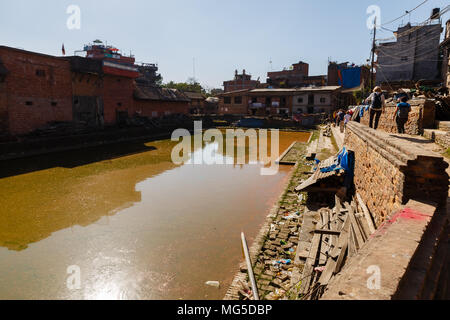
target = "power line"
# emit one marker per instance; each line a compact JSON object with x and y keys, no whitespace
{"x":420,"y":25}
{"x":407,"y":12}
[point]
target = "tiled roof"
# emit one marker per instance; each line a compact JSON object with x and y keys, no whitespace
{"x":143,"y":92}
{"x":194,"y":95}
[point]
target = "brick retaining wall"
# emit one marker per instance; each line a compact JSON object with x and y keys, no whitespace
{"x":391,"y":169}
{"x":422,"y":116}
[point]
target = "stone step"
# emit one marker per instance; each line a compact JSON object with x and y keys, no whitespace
{"x":443,"y":126}
{"x":440,"y":137}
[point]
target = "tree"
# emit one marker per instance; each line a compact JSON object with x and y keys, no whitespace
{"x":190,"y":86}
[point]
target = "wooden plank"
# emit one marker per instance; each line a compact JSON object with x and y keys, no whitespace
{"x":363,"y":226}
{"x":342,"y":238}
{"x":357,"y":232}
{"x":309,"y":265}
{"x":367,"y":214}
{"x":328,"y":272}
{"x":327,"y":232}
{"x":338,"y":205}
{"x":342,"y":254}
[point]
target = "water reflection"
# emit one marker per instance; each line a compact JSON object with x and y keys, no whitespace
{"x":138,"y":226}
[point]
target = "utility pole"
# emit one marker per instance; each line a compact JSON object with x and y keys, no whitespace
{"x":372,"y":77}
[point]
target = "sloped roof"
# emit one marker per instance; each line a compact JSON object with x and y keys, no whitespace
{"x":143,"y":92}
{"x":194,"y":95}
{"x":318,"y":175}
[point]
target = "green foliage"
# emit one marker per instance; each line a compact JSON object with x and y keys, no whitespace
{"x":190,"y":86}
{"x":361,"y":95}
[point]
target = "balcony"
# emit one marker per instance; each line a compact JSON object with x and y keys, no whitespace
{"x":256,"y":105}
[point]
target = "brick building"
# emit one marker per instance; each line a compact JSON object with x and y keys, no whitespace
{"x":296,"y":76}
{"x":234,"y":102}
{"x":316,"y":99}
{"x":197,"y":102}
{"x":240,"y":82}
{"x":35,"y":89}
{"x":153,"y":102}
{"x":283,"y":101}
{"x":347,"y":76}
{"x":445,"y":45}
{"x":270,"y":101}
{"x":413,"y":56}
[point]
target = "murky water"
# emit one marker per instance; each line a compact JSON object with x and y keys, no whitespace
{"x":136,"y":225}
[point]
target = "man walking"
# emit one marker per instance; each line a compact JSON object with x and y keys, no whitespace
{"x":402,"y":112}
{"x":377,"y":105}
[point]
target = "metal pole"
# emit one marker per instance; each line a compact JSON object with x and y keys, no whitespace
{"x":249,"y":267}
{"x":372,"y":77}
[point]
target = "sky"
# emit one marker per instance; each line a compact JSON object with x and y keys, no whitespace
{"x":212,"y":37}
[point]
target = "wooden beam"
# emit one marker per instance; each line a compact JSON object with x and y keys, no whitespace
{"x":357,"y":232}
{"x":367,"y":214}
{"x":308,"y":269}
{"x":328,"y":232}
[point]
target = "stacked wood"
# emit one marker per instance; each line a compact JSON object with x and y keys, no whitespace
{"x":338,"y":236}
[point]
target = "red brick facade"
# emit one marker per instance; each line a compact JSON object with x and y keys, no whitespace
{"x":37,"y":90}
{"x":117,"y":97}
{"x":154,"y":108}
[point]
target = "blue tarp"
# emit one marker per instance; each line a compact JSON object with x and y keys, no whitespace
{"x":345,"y":161}
{"x":351,"y":77}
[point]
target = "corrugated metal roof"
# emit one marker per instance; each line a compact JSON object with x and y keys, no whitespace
{"x":318,"y":175}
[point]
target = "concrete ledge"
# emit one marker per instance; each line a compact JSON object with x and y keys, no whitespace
{"x":394,"y":251}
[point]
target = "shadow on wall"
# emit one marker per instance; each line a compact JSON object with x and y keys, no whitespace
{"x":422,"y":141}
{"x":70,"y":159}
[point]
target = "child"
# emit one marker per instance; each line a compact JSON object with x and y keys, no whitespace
{"x":402,"y":112}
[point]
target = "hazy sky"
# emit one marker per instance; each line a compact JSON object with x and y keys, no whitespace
{"x":221,"y":35}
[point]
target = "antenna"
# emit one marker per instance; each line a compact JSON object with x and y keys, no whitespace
{"x":193,"y":67}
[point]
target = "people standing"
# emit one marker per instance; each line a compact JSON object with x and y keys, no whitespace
{"x":377,"y":105}
{"x":338,"y":117}
{"x":401,"y":114}
{"x":347,"y":119}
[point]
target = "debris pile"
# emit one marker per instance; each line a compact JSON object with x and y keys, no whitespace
{"x":338,"y":235}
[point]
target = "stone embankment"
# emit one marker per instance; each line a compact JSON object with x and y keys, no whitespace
{"x":274,"y":250}
{"x":421,"y":116}
{"x":404,"y":188}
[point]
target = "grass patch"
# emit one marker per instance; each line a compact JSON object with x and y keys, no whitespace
{"x":447,"y":153}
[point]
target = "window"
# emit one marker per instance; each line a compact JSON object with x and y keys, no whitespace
{"x":40,"y":73}
{"x":300,"y":100}
{"x":282,"y":101}
{"x":238,"y":100}
{"x":404,"y":58}
{"x":29,"y":103}
{"x":119,"y":104}
{"x":268,"y":101}
{"x":54,"y":103}
{"x":227,"y":100}
{"x":323,"y":100}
